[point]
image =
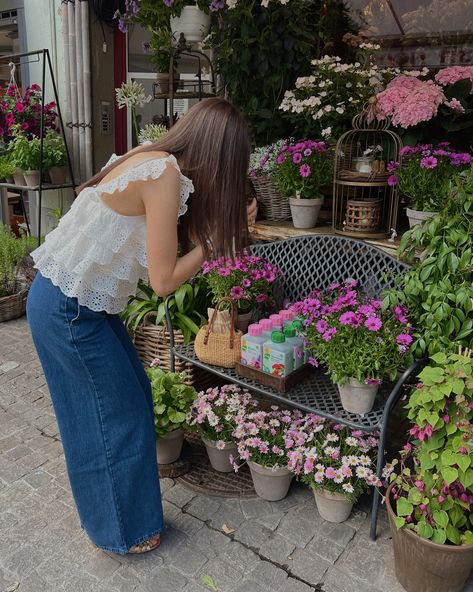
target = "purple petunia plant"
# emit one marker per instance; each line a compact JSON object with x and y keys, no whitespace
{"x":303,"y":169}
{"x":337,"y":459}
{"x":425,"y":174}
{"x":354,"y":336}
{"x":247,"y":279}
{"x":217,"y":412}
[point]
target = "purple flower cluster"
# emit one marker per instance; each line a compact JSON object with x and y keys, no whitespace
{"x":341,"y":324}
{"x":296,"y":153}
{"x":248,"y":279}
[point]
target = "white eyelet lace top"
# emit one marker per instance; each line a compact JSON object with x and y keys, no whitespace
{"x":96,"y":254}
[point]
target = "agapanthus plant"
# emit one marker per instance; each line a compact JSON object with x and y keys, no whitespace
{"x":21,"y":113}
{"x":217,"y":412}
{"x":433,"y":488}
{"x":337,"y":459}
{"x":352,"y":335}
{"x":425,"y":174}
{"x":247,"y":279}
{"x":303,"y":169}
{"x":270,"y":437}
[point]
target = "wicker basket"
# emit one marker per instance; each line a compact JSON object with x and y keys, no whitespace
{"x":273,"y":205}
{"x":153,"y":341}
{"x":363,"y":215}
{"x":12,"y":307}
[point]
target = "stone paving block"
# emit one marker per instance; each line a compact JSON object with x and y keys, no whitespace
{"x":226,"y":515}
{"x":38,"y":478}
{"x":269,"y":575}
{"x":325,"y":548}
{"x":18,"y":452}
{"x":222,"y":572}
{"x":292,"y":585}
{"x":122,"y":580}
{"x":163,"y":579}
{"x":212,"y":543}
{"x":188,"y":561}
{"x":337,"y":580}
{"x":299,"y":526}
{"x":186,"y":523}
{"x":179,"y":495}
{"x":33,"y":582}
{"x":165,"y":484}
{"x":6,"y":579}
{"x":271,"y":521}
{"x":252,"y":534}
{"x":9,"y":442}
{"x":25,"y":560}
{"x":277,"y":549}
{"x":254,"y":508}
{"x":250,"y":584}
{"x":308,"y":568}
{"x":172,"y":540}
{"x":144,"y":564}
{"x":239,"y":557}
{"x":202,"y":507}
{"x":7,"y":519}
{"x":101,"y":565}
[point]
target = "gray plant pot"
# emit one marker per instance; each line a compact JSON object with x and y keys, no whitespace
{"x":32,"y":178}
{"x":305,"y":212}
{"x":220,"y":459}
{"x":417,"y":217}
{"x":357,"y":397}
{"x":58,"y":175}
{"x":243,"y":320}
{"x":19,"y":177}
{"x":270,"y":485}
{"x":169,"y":447}
{"x":332,"y":507}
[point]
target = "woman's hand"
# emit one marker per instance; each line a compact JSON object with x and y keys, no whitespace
{"x":251,"y":212}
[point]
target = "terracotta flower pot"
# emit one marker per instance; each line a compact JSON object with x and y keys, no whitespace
{"x":163,"y":81}
{"x":220,"y":457}
{"x":424,"y":566}
{"x":169,"y":447}
{"x":58,"y":175}
{"x":417,"y":217}
{"x":270,"y":485}
{"x":357,"y":397}
{"x":305,"y":212}
{"x":19,"y":177}
{"x":333,"y":507}
{"x":31,"y":178}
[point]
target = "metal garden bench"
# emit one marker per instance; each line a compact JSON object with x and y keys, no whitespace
{"x":317,"y":261}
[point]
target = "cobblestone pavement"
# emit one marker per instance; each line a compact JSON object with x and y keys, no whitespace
{"x":272,"y":547}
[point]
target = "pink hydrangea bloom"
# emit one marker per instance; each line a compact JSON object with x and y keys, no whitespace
{"x":454,"y":74}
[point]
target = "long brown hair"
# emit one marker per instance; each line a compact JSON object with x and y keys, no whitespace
{"x":212,"y":145}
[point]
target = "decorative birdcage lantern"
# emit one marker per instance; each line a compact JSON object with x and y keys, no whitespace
{"x":365,"y":204}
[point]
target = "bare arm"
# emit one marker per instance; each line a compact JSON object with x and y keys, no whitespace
{"x":161,"y":200}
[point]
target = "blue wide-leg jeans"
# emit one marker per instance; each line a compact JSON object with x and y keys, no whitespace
{"x":103,"y":405}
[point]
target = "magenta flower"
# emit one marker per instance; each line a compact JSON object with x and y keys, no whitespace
{"x":321,"y":326}
{"x":373,"y":381}
{"x":330,"y":473}
{"x":428,"y":162}
{"x":305,"y":170}
{"x":224,"y":272}
{"x":307,"y":152}
{"x":400,"y":314}
{"x":237,"y":292}
{"x":280,"y":158}
{"x":373,"y":323}
{"x":404,"y":339}
{"x":313,"y":362}
{"x":347,"y":318}
{"x":261,"y":298}
{"x":19,"y":107}
{"x":246,"y":283}
{"x":392,"y":180}
{"x":296,"y":158}
{"x":327,"y":336}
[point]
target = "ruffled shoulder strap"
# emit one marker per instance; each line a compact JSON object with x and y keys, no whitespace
{"x":150,"y":169}
{"x":111,"y":160}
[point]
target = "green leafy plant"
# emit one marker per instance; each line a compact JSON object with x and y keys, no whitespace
{"x":54,"y":150}
{"x":434,"y":496}
{"x":188,"y":307}
{"x":26,"y":153}
{"x":209,"y":583}
{"x":7,"y":166}
{"x":259,"y":54}
{"x":161,"y":48}
{"x":13,"y":253}
{"x":172,"y":399}
{"x":151,"y":132}
{"x":438,"y":288}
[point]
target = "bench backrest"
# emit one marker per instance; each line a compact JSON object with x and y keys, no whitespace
{"x":316,"y":261}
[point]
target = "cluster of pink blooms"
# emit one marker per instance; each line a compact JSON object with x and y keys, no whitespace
{"x":217,"y":411}
{"x":245,"y":278}
{"x":24,"y":112}
{"x":454,"y":74}
{"x":429,"y":157}
{"x":300,"y":154}
{"x":409,"y":101}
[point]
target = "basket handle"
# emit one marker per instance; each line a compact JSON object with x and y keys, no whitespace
{"x":232,"y":320}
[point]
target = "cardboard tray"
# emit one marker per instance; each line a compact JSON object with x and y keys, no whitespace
{"x":278,"y":383}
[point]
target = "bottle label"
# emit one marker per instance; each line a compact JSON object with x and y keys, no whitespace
{"x":277,"y":362}
{"x":251,"y":354}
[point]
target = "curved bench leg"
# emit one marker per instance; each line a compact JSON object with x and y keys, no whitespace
{"x":379,"y":470}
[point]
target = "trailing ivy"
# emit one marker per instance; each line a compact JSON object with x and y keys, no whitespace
{"x":438,"y":289}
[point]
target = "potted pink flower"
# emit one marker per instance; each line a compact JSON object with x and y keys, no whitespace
{"x":247,"y":279}
{"x":302,"y":170}
{"x":424,"y":177}
{"x":265,"y":441}
{"x":358,"y":341}
{"x":215,"y":413}
{"x":338,"y":465}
